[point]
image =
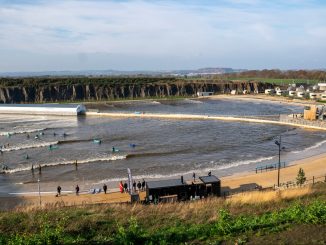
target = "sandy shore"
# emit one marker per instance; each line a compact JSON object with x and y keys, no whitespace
{"x":313,"y":166}
{"x":265,"y":98}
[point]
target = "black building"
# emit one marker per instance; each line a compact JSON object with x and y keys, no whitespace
{"x":179,"y":190}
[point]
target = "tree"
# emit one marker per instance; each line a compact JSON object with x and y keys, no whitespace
{"x":301,"y":178}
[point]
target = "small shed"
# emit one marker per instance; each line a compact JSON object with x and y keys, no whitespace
{"x":310,"y":112}
{"x":170,"y":187}
{"x":212,"y":185}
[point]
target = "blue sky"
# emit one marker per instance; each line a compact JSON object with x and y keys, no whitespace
{"x":43,"y":35}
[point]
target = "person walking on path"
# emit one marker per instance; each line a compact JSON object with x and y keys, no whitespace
{"x":143,"y":185}
{"x":125,"y":186}
{"x":105,"y":188}
{"x":134,"y":185}
{"x":121,"y":187}
{"x":139,"y":186}
{"x":77,"y":190}
{"x":59,"y":190}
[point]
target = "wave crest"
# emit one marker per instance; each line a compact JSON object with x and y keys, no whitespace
{"x":69,"y":162}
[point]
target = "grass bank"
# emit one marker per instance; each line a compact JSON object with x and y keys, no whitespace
{"x":211,"y":221}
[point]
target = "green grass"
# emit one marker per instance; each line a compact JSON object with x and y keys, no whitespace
{"x":211,"y":221}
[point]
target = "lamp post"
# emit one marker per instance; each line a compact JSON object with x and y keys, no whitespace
{"x":279,"y":144}
{"x":39,"y":190}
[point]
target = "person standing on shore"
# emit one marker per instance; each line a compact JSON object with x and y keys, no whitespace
{"x":194,"y":176}
{"x":59,"y":190}
{"x":105,"y":188}
{"x":76,"y":165}
{"x":125,"y":186}
{"x":139,"y":186}
{"x":77,"y":190}
{"x":39,"y":169}
{"x":121,"y":187}
{"x":134,"y":186}
{"x":143,"y":185}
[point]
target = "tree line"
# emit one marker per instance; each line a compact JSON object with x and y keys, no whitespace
{"x":319,"y":75}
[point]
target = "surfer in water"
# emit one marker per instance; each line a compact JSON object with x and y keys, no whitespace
{"x":113,"y":149}
{"x":76,"y":164}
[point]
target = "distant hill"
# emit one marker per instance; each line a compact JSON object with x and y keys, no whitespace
{"x":99,"y":73}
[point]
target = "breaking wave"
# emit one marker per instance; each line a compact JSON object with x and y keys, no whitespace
{"x":310,"y":147}
{"x":9,"y":133}
{"x":69,"y":162}
{"x":29,"y":146}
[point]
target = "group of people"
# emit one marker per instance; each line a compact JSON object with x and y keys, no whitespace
{"x":141,"y":186}
{"x":77,"y":190}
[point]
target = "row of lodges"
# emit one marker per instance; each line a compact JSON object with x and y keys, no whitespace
{"x":171,"y":190}
{"x":43,"y":109}
{"x":315,"y":92}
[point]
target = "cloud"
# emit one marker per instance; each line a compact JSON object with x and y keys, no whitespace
{"x":163,"y":30}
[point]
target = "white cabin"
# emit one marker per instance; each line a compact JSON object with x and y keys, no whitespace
{"x":269,"y":91}
{"x":300,"y":94}
{"x":323,"y":97}
{"x":322,"y":86}
{"x":204,"y":94}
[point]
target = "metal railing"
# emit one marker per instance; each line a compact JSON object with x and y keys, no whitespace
{"x":298,"y":119}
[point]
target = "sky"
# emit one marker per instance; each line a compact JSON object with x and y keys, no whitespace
{"x":57,"y":35}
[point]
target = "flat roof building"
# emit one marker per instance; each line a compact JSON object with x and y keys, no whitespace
{"x":178,"y":189}
{"x":43,"y":109}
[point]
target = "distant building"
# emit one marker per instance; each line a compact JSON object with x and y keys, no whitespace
{"x":322,"y":86}
{"x":314,"y":112}
{"x":204,"y":94}
{"x":300,"y":94}
{"x":323,"y":97}
{"x":234,"y":92}
{"x":269,"y":91}
{"x":279,"y":92}
{"x":43,"y":109}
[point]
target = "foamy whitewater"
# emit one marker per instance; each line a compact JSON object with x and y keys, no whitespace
{"x":151,"y":148}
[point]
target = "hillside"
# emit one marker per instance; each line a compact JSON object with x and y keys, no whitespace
{"x":295,"y":217}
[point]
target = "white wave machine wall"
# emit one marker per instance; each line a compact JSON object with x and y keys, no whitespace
{"x":43,"y":109}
